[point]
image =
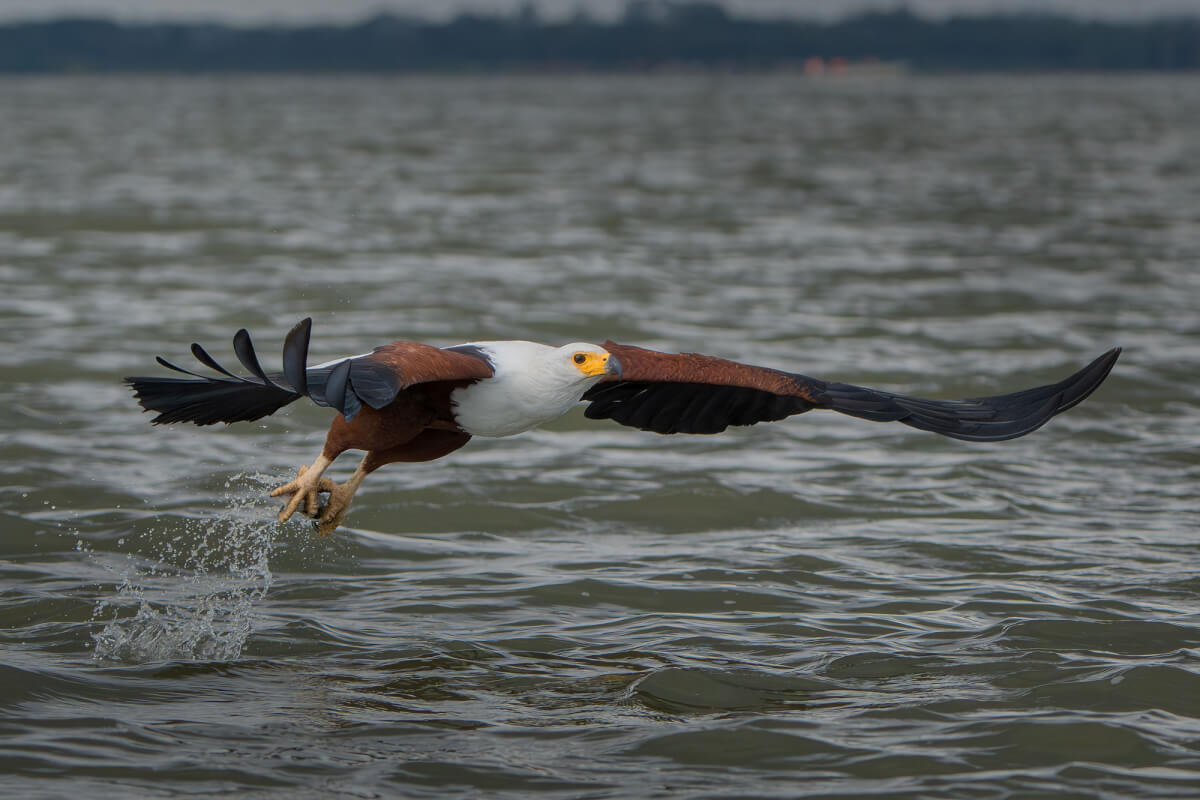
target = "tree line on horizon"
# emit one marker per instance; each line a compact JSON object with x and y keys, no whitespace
{"x":649,"y":35}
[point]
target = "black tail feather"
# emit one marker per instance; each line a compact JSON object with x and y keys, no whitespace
{"x":208,"y":399}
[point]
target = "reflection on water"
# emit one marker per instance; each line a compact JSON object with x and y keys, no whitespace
{"x":823,"y":605}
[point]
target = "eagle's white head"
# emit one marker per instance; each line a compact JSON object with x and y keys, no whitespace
{"x":586,"y":361}
{"x":533,"y":384}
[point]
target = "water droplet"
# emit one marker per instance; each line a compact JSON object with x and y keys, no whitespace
{"x":193,"y":595}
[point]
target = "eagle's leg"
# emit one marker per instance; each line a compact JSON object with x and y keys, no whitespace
{"x":304,"y":489}
{"x":425,"y":446}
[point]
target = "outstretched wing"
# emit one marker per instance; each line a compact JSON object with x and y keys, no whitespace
{"x":692,"y":393}
{"x":373,"y":379}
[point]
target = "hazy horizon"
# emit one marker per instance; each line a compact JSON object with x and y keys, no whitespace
{"x":257,"y":12}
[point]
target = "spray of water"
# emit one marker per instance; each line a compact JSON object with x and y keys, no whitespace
{"x":189,"y":593}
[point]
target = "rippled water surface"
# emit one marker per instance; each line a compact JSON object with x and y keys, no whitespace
{"x":820,"y":607}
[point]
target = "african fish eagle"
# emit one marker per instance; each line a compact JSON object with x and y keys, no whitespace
{"x":407,"y":401}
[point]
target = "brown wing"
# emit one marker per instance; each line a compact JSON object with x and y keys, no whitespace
{"x":376,"y":378}
{"x":692,"y":393}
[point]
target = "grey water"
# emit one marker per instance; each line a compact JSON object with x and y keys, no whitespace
{"x":819,"y":607}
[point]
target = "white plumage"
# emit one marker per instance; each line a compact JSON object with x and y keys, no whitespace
{"x":533,"y":384}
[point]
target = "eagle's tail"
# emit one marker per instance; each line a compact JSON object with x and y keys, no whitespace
{"x":208,"y":399}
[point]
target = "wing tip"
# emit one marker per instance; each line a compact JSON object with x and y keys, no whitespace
{"x":1088,"y":379}
{"x":295,"y":355}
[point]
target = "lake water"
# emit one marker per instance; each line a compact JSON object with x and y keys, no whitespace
{"x":820,"y":607}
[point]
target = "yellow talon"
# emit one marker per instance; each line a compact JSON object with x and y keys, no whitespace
{"x":335,"y":510}
{"x":304,"y":490}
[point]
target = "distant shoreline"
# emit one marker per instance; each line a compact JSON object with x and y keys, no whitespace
{"x":683,"y":38}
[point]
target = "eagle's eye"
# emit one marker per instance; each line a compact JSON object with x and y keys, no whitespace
{"x":580,"y":358}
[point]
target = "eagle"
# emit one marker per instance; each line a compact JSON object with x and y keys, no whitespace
{"x":413,"y":402}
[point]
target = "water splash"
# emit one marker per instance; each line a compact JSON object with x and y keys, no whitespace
{"x":190,"y":591}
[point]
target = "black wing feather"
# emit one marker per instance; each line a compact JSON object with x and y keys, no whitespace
{"x":209,"y":401}
{"x":206,"y":399}
{"x":244,"y":349}
{"x":295,"y":355}
{"x":687,"y":407}
{"x":335,"y":385}
{"x":163,"y":362}
{"x":975,"y":419}
{"x":204,"y":358}
{"x":682,"y":407}
{"x":374,"y":383}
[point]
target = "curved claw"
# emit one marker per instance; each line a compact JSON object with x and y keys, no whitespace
{"x":334,"y":511}
{"x":312,"y":504}
{"x":303,"y":491}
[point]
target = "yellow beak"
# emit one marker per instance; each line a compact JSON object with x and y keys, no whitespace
{"x":595,"y":364}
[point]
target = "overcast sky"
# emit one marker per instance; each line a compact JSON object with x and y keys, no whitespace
{"x":297,"y":11}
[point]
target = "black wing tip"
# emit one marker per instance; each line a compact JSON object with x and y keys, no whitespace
{"x":1057,"y":398}
{"x":208,"y":399}
{"x":1080,"y":386}
{"x":1109,"y":360}
{"x":1106,"y":360}
{"x":295,"y":355}
{"x":976,"y":419}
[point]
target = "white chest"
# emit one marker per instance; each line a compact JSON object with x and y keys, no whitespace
{"x":496,"y":407}
{"x":530,"y":388}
